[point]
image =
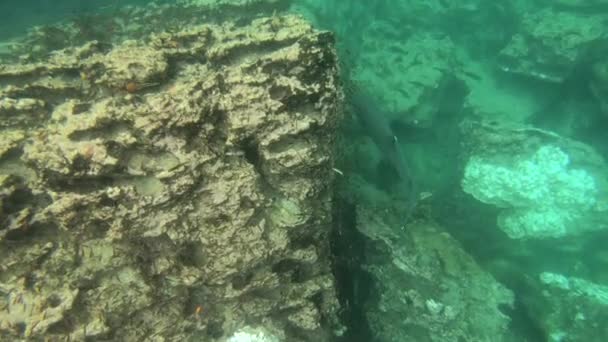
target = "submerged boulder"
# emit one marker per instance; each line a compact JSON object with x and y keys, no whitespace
{"x":545,"y":186}
{"x":171,"y":188}
{"x":419,"y":284}
{"x":541,"y":194}
{"x":573,"y":309}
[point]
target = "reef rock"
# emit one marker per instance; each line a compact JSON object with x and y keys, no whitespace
{"x":573,"y":308}
{"x":170,"y":188}
{"x":423,"y":286}
{"x":552,"y":43}
{"x":545,"y":185}
{"x":410,"y":76}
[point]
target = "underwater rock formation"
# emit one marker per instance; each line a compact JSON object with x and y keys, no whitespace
{"x":565,"y":48}
{"x":550,"y":43}
{"x":527,"y":173}
{"x":171,"y":188}
{"x":115,"y":24}
{"x":573,"y":308}
{"x":422,"y":286}
{"x":409,"y":75}
{"x":543,"y":195}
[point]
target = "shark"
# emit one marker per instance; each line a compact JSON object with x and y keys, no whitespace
{"x":377,"y":125}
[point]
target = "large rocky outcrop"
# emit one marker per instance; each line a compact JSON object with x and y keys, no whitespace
{"x":170,"y":188}
{"x":416,"y":283}
{"x":546,"y":185}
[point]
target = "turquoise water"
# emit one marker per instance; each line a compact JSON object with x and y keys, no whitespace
{"x":470,"y":200}
{"x":509,"y":82}
{"x":17,"y":17}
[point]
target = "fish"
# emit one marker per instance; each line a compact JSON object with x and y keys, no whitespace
{"x":376,"y":124}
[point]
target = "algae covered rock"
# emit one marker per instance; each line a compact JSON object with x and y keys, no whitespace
{"x":574,"y":308}
{"x":120,"y":21}
{"x":545,"y":185}
{"x":426,"y":287}
{"x":542,"y":194}
{"x":173,"y":188}
{"x":551,"y":43}
{"x":410,"y":76}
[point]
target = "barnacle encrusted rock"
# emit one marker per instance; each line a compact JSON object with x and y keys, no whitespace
{"x":191,"y":206}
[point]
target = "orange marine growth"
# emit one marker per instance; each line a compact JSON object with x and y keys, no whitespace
{"x":198,"y":311}
{"x":131,"y":87}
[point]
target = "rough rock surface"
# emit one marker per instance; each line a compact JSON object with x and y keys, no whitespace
{"x":551,"y":42}
{"x":540,"y":195}
{"x":504,"y":143}
{"x":170,"y":189}
{"x":427,"y":288}
{"x":410,"y":76}
{"x":115,"y":24}
{"x":573,"y":309}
